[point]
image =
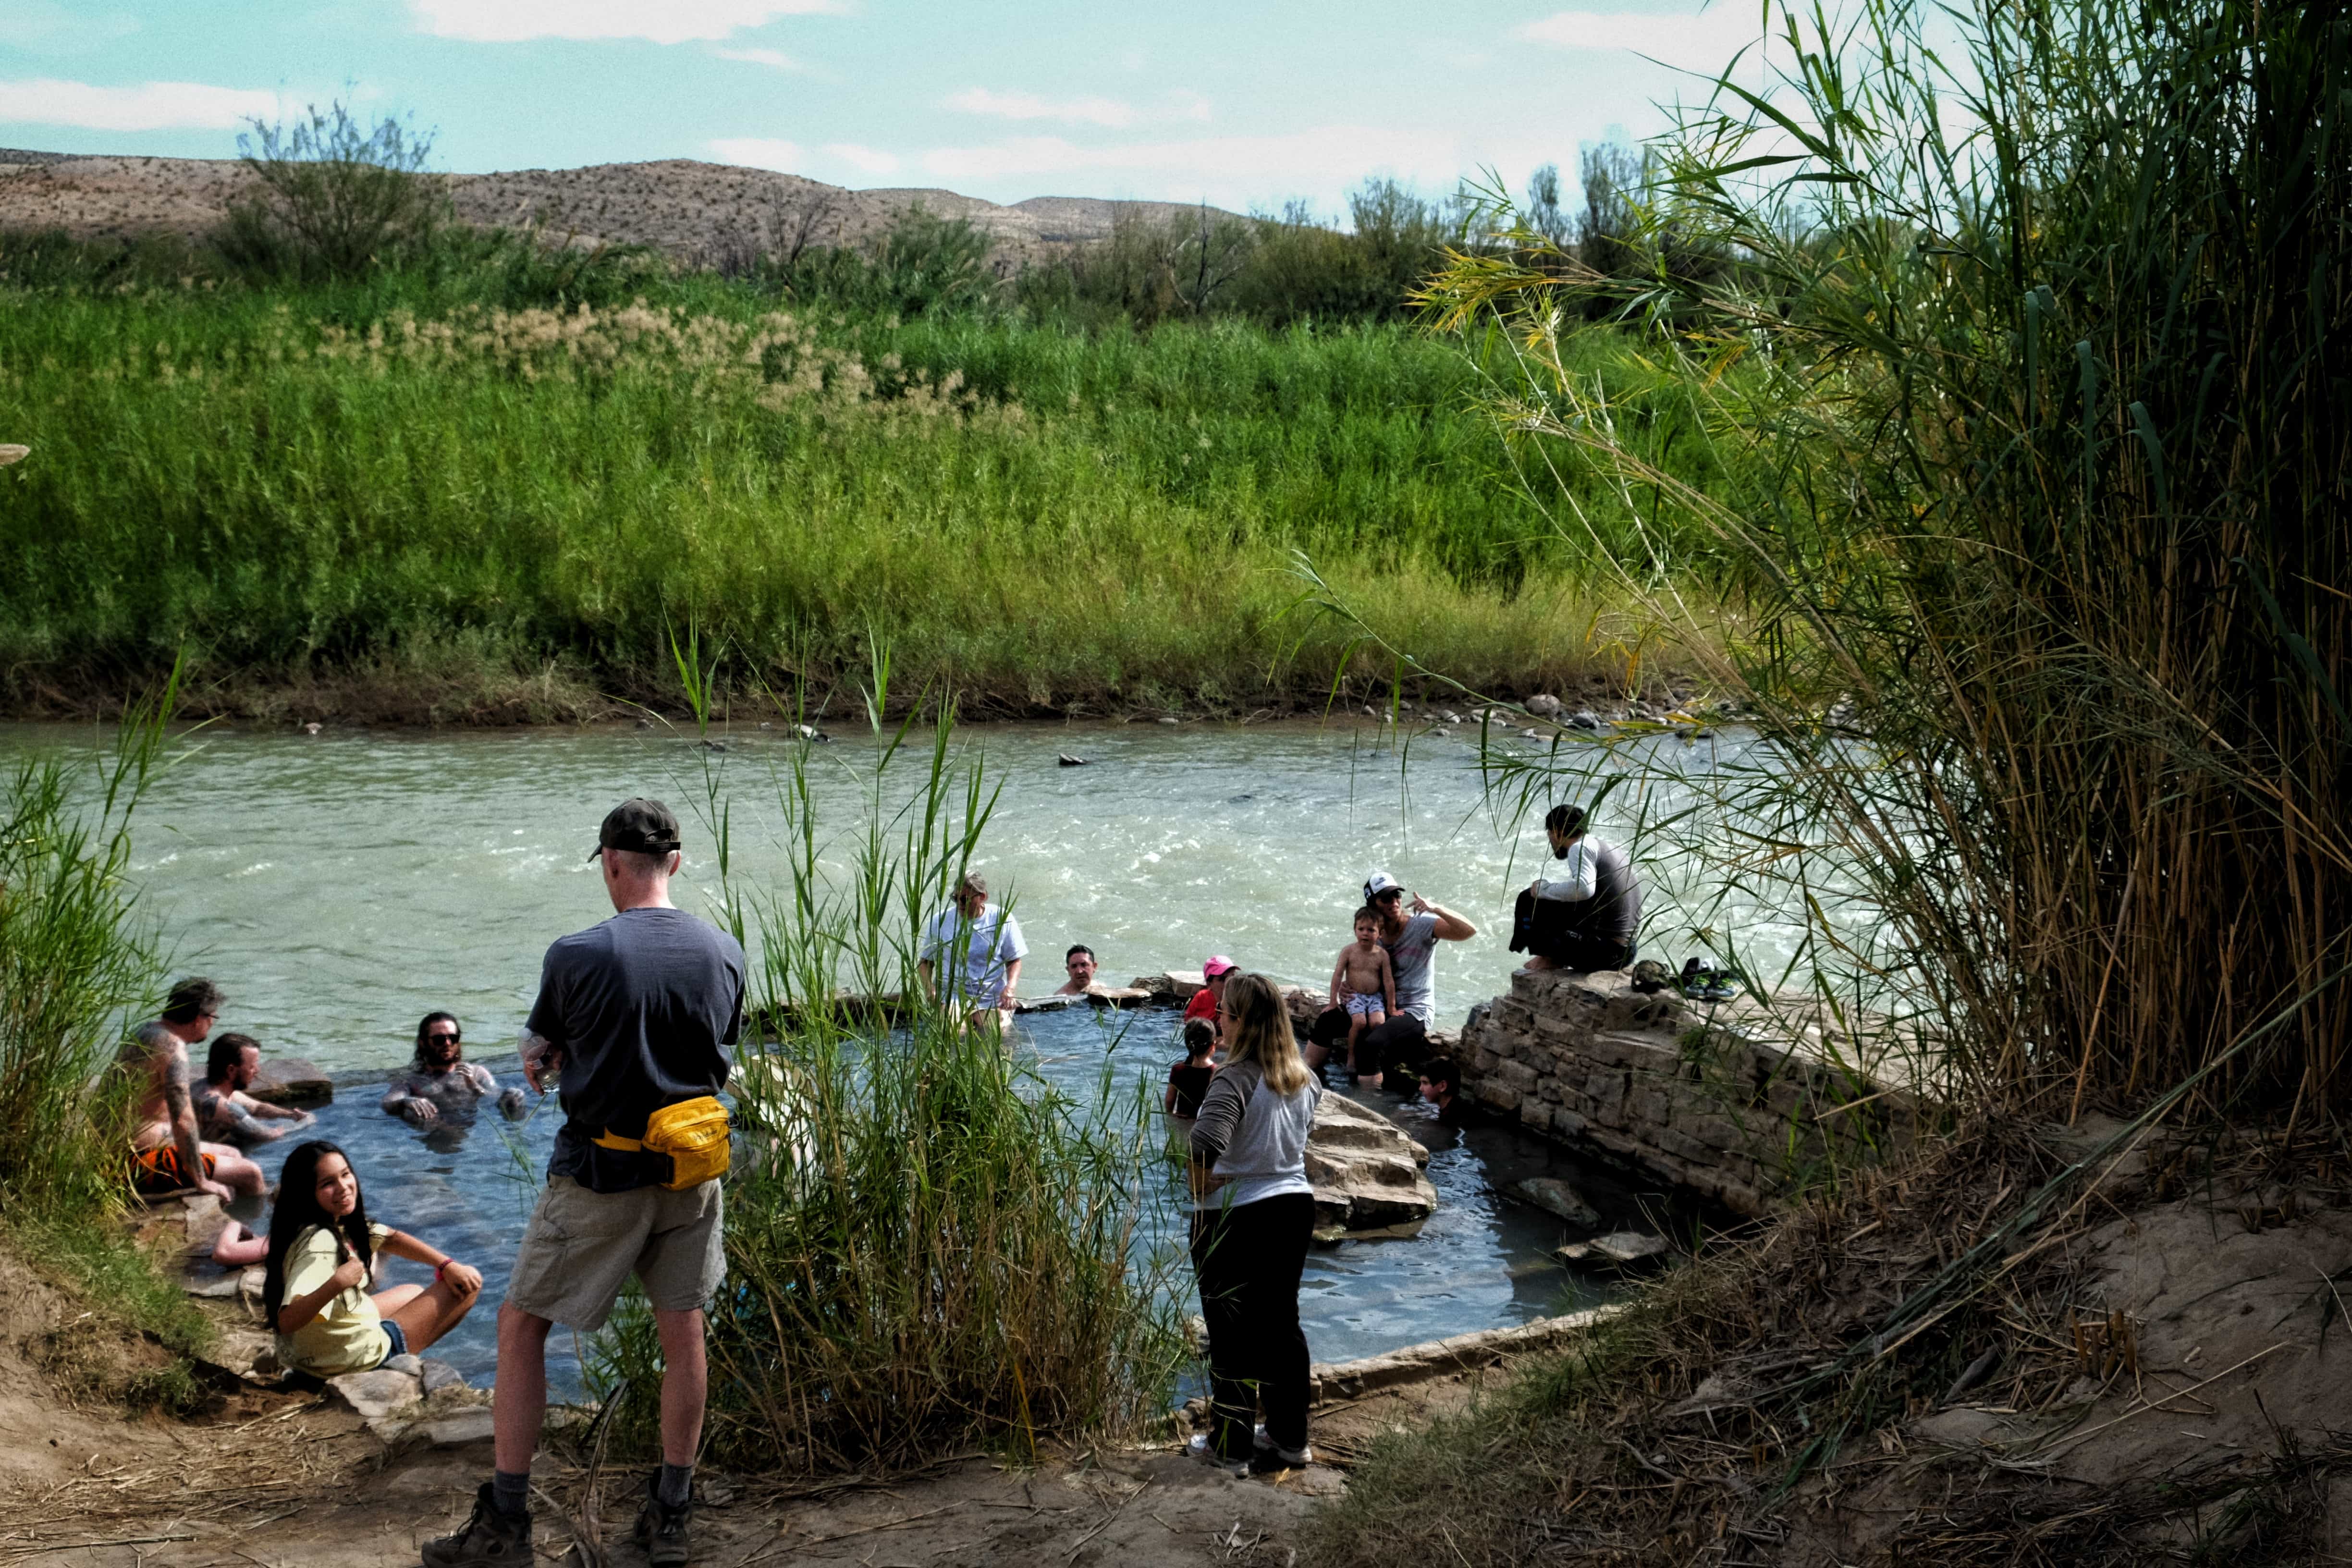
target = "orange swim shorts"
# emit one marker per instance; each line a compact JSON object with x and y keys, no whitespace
{"x":156,"y":1170}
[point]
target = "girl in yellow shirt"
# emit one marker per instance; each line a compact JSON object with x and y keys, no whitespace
{"x":323,"y":1253}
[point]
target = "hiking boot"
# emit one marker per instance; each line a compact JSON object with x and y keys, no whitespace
{"x":661,"y":1529}
{"x":489,"y":1536}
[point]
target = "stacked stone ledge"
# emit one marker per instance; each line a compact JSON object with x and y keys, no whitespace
{"x":1738,"y":1103}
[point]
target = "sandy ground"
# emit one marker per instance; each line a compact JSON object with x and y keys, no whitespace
{"x":266,"y":1476}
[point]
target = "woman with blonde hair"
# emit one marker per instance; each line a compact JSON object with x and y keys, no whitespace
{"x":1253,"y":1213}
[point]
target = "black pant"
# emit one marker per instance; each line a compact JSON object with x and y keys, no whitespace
{"x":1547,"y":927}
{"x":1249,"y":1259}
{"x":1401,"y":1042}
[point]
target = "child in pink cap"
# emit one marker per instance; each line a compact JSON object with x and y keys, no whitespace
{"x":1204,"y":1001}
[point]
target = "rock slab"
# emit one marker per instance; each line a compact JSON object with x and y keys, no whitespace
{"x":372,"y":1395}
{"x":1556,"y":1197}
{"x":1366,"y":1171}
{"x":1622,"y":1249}
{"x":290,"y":1080}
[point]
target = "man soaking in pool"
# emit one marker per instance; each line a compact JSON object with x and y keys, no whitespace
{"x":439,"y":1081}
{"x":637,"y":1014}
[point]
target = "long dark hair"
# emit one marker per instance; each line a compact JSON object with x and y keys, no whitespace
{"x":423,"y":1025}
{"x":298,"y":1210}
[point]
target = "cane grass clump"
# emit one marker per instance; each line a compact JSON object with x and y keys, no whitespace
{"x":2039,"y":346}
{"x":929,"y":1249}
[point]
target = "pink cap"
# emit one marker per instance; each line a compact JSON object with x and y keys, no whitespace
{"x":1218,"y":963}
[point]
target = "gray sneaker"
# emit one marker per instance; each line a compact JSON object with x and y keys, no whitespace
{"x":661,"y":1530}
{"x":488,"y":1536}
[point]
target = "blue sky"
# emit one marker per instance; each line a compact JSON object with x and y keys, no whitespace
{"x":1243,"y":105}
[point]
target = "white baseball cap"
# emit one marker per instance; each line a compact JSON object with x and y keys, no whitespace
{"x":1380,"y":882}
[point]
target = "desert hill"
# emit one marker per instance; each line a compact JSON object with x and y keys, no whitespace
{"x":691,"y":210}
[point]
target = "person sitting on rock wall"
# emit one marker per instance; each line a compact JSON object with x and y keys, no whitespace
{"x":167,"y":1154}
{"x":224,"y":1111}
{"x":1588,"y":914}
{"x":322,"y":1260}
{"x":1410,"y":929}
{"x":439,"y":1081}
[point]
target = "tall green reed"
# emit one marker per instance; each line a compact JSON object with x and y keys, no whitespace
{"x":2038,"y":360}
{"x":928,"y":1246}
{"x":75,"y":961}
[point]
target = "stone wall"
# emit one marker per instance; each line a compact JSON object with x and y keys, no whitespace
{"x":1735,"y":1102}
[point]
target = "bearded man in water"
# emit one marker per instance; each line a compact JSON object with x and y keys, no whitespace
{"x":167,"y":1154}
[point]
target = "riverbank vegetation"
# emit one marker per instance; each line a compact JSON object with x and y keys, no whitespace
{"x":929,"y":1248}
{"x":2041,"y":563}
{"x":438,"y":473}
{"x":76,"y":960}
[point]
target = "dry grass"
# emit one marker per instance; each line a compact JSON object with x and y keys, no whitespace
{"x":1758,"y":1409}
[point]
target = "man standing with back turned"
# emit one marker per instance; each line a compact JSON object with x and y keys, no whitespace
{"x":637,"y":1014}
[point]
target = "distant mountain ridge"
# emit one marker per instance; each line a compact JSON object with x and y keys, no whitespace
{"x":694,"y":211}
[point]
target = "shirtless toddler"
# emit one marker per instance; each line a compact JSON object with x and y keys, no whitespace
{"x":1362,"y":981}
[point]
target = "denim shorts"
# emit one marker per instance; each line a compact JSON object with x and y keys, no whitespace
{"x":398,"y":1337}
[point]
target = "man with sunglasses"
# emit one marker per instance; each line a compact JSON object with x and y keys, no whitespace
{"x":439,"y":1081}
{"x":1410,"y":929}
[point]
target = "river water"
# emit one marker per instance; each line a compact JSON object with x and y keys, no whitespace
{"x":339,"y":886}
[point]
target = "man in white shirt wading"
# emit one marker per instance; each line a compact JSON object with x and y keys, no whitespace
{"x":972,"y":955}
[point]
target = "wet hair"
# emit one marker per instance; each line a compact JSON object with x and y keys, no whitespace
{"x":191,"y":999}
{"x":1076,"y":948}
{"x":1366,"y":914}
{"x":221,"y":1060}
{"x":971,"y":882}
{"x":1261,"y":1033}
{"x":424,"y":1027}
{"x":298,"y":1210}
{"x":1566,"y":819}
{"x":1200,"y":1035}
{"x":1440,"y":1072}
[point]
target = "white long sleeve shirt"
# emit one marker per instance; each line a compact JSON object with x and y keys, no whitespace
{"x":1575,"y":879}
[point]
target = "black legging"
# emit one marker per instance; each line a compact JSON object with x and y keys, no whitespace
{"x":1548,"y":928}
{"x":1249,"y":1258}
{"x":1403,"y":1041}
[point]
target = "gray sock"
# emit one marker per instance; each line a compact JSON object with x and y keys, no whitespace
{"x":510,"y":1492}
{"x":677,"y":1484}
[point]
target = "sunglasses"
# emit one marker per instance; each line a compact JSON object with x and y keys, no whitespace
{"x":440,"y":1039}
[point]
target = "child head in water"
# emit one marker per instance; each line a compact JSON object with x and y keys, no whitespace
{"x":1199,"y":1040}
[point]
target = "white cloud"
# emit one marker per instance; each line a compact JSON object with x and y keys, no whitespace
{"x":149,"y":106}
{"x":1187,"y":105}
{"x":774,"y":60}
{"x":865,"y":160}
{"x":662,"y":21}
{"x":762,"y":153}
{"x":1029,"y":106}
{"x":1704,"y":41}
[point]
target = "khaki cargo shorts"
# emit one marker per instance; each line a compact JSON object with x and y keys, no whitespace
{"x":582,"y":1247}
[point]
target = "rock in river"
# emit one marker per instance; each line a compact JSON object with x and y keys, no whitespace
{"x":1624,"y":1248}
{"x":1367,"y":1174}
{"x":290,"y":1080}
{"x":1555,"y":1197}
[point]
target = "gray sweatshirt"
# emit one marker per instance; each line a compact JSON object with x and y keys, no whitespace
{"x":1253,"y":1141}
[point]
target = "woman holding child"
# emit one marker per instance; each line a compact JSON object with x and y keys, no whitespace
{"x":1254,"y":1216}
{"x":323,"y":1253}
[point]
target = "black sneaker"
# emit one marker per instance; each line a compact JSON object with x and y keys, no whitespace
{"x":489,"y":1536}
{"x":661,"y":1529}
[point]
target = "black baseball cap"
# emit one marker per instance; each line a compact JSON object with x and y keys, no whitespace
{"x":646,"y":826}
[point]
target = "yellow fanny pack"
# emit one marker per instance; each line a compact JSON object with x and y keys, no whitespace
{"x":693,"y":1133}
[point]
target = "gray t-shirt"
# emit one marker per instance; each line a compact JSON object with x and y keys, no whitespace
{"x":644,"y":1008}
{"x":1412,"y":958}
